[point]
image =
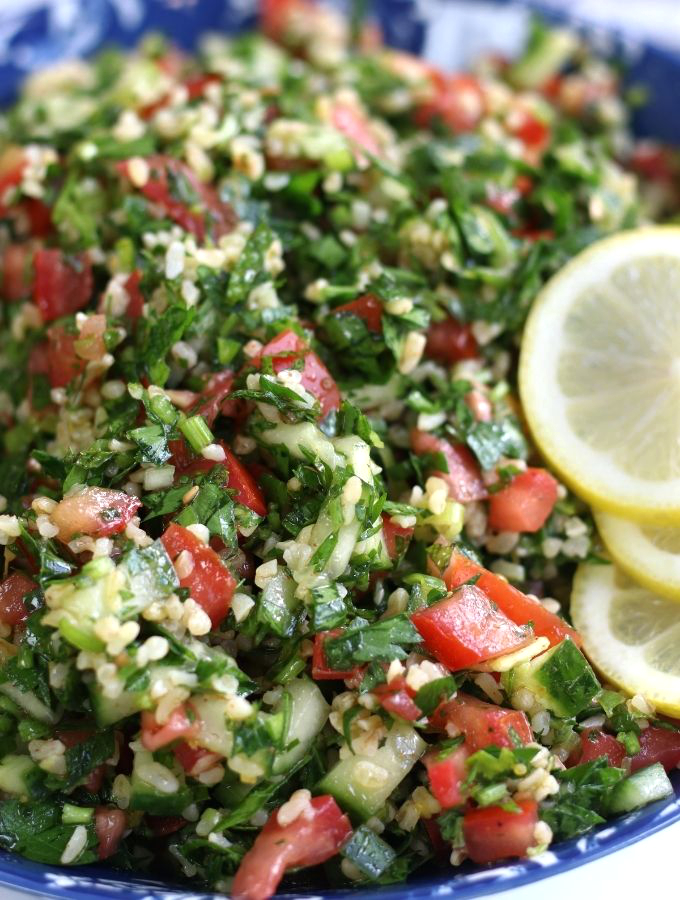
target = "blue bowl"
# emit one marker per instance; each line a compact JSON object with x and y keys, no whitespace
{"x":46,"y":32}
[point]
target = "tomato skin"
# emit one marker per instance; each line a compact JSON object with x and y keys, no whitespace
{"x":516,"y":605}
{"x":532,"y":132}
{"x":135,"y":306}
{"x":483,"y":723}
{"x":61,"y":285}
{"x":308,"y":840}
{"x":17,"y":272}
{"x":239,"y":479}
{"x":657,"y":745}
{"x":450,"y":341}
{"x":467,"y":628}
{"x":525,"y":504}
{"x":596,"y":743}
{"x":109,"y":825}
{"x":288,"y":347}
{"x":155,"y":736}
{"x":464,"y":477}
{"x":96,"y":511}
{"x":320,"y":669}
{"x":397,"y":699}
{"x":13,"y":589}
{"x":447,"y":776}
{"x":210,"y":583}
{"x":213,"y":399}
{"x":368,"y":308}
{"x":491,"y":833}
{"x":396,"y":537}
{"x":162,"y":826}
{"x":459,"y":104}
{"x":63,"y":364}
{"x":216,"y":218}
{"x":194,"y":760}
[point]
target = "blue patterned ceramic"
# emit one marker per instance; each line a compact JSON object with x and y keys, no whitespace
{"x":35,"y":33}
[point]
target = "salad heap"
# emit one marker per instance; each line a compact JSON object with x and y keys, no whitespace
{"x":284,"y":581}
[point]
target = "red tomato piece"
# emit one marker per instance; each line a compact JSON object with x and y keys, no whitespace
{"x":210,"y":583}
{"x":194,"y":760}
{"x":596,"y":743}
{"x":516,"y":605}
{"x":286,"y":348}
{"x":275,"y":15}
{"x":459,"y":105}
{"x":657,"y":745}
{"x":162,"y":826}
{"x":213,"y":398}
{"x":525,"y":504}
{"x":90,"y":344}
{"x":350,"y":121}
{"x":368,"y":308}
{"x":532,"y":132}
{"x":17,"y":272}
{"x":467,"y":628}
{"x":397,"y":699}
{"x":72,"y":738}
{"x":396,"y":537}
{"x":179,"y":725}
{"x":208,"y":214}
{"x":447,"y":775}
{"x":320,"y":669}
{"x":135,"y":306}
{"x":464,"y":477}
{"x":12,"y":592}
{"x":109,"y":825}
{"x":239,"y":479}
{"x":450,"y":341}
{"x":483,"y":723}
{"x":309,"y":840}
{"x":63,"y":363}
{"x":62,"y":285}
{"x":96,"y":511}
{"x":491,"y":833}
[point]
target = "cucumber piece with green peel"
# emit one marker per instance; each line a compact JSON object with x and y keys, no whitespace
{"x":157,"y":790}
{"x":308,"y":715}
{"x":20,"y":776}
{"x":642,"y":787}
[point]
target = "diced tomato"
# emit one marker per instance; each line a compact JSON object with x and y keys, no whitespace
{"x":286,"y":348}
{"x":63,"y":364}
{"x":73,"y":737}
{"x":210,"y":583}
{"x":525,"y":504}
{"x":320,"y":669}
{"x":368,"y":308}
{"x":467,"y":628}
{"x":459,"y":105}
{"x":483,"y":723}
{"x":90,"y":344}
{"x":516,"y":605}
{"x":596,"y":743}
{"x":16,"y":271}
{"x":447,"y":774}
{"x":397,"y":699}
{"x":162,"y":826}
{"x":213,"y":398}
{"x":12,"y":592}
{"x":532,"y":132}
{"x":109,"y":825}
{"x":179,"y":725}
{"x":239,"y":479}
{"x":194,"y":760}
{"x":96,"y":511}
{"x":135,"y":306}
{"x":309,"y":840}
{"x":480,"y":405}
{"x":275,"y":15}
{"x":207,"y":215}
{"x":351,"y":121}
{"x":464,"y":477}
{"x":62,"y":284}
{"x":39,"y":216}
{"x":450,"y":341}
{"x":442,"y":850}
{"x":396,"y":537}
{"x":491,"y":833}
{"x":657,"y":745}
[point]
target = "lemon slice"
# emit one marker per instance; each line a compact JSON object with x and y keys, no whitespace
{"x":630,"y":634}
{"x":600,"y":374}
{"x":648,"y":553}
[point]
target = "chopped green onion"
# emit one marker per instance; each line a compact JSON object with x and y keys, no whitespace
{"x":76,"y":815}
{"x":80,"y":638}
{"x":196,"y":431}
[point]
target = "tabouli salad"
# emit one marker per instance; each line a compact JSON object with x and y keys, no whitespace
{"x":284,"y":582}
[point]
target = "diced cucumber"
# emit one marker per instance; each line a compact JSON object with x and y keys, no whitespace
{"x":561,"y":678}
{"x":549,"y":52}
{"x":642,"y":787}
{"x":369,"y":853}
{"x":109,"y":710}
{"x":278,"y":605}
{"x":308,"y":714}
{"x":19,"y":775}
{"x":300,"y":440}
{"x":362,"y":784}
{"x":29,"y":702}
{"x":156,"y":789}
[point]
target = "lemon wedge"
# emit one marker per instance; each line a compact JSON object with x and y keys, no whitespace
{"x":630,"y":634}
{"x":650,"y":554}
{"x":599,"y":374}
